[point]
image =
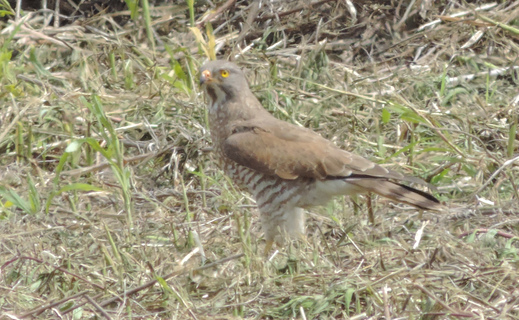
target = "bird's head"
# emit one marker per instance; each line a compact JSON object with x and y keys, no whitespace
{"x":222,"y":80}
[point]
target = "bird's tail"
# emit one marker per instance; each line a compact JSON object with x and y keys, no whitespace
{"x":400,"y":193}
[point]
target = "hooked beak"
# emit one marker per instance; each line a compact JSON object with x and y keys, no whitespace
{"x":205,"y":77}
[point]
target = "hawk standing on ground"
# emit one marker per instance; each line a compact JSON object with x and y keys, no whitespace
{"x":285,"y":167}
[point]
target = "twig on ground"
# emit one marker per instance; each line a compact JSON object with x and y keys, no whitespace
{"x":217,"y":12}
{"x":491,"y":178}
{"x":484,"y":230}
{"x":55,"y":267}
{"x":286,"y":13}
{"x":455,"y":313}
{"x":152,"y":282}
{"x":98,"y":307}
{"x":39,"y":310}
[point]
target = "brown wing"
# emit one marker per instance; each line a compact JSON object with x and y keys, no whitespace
{"x":275,"y":147}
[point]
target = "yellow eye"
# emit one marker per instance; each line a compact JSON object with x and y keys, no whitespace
{"x":224,"y":73}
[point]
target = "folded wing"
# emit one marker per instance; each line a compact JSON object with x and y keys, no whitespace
{"x":293,"y":152}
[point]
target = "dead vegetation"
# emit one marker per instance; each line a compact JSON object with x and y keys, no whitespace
{"x":112,"y":207}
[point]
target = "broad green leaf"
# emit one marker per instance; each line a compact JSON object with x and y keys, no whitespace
{"x":386,"y":115}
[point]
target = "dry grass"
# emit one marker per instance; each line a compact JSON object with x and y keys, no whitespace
{"x":112,"y":206}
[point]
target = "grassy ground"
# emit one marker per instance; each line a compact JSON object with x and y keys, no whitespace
{"x":112,"y":205}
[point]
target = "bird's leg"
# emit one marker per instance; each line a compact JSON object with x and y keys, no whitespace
{"x":289,"y":223}
{"x":371,"y":216}
{"x":268,"y":246}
